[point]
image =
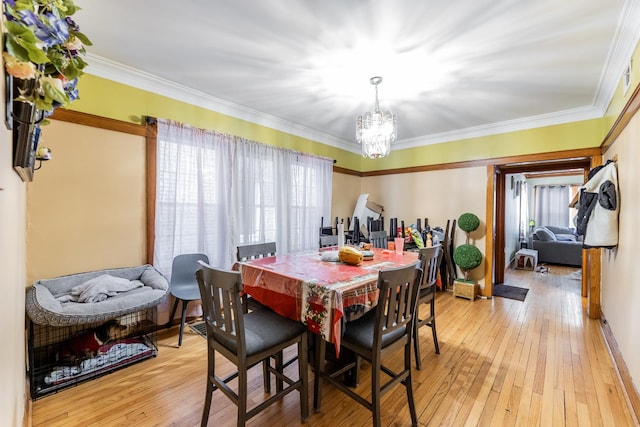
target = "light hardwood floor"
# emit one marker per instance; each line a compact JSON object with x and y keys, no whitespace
{"x":502,"y":363}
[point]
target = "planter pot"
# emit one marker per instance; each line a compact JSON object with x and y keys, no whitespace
{"x":465,"y":289}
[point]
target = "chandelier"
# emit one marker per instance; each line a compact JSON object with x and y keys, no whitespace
{"x":376,"y":130}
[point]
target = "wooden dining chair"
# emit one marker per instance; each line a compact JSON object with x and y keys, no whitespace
{"x":378,"y":239}
{"x":376,"y":334}
{"x":246,"y":339}
{"x":246,"y":253}
{"x":430,"y":263}
{"x":255,"y":250}
{"x":328,"y":241}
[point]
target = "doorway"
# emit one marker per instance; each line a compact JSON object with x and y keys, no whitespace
{"x":501,"y":183}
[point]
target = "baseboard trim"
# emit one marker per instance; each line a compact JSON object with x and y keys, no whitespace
{"x":631,"y":394}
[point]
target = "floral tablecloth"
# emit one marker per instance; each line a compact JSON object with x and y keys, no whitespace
{"x":319,"y":293}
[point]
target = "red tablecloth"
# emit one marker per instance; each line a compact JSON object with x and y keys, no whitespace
{"x":319,"y":293}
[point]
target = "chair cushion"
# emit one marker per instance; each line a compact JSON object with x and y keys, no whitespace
{"x":545,"y":234}
{"x":360,"y":332}
{"x":265,"y":329}
{"x":426,"y":294}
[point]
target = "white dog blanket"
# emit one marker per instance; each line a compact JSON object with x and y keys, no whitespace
{"x":99,"y":289}
{"x":115,"y":354}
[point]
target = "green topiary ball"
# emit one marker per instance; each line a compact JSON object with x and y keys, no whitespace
{"x":467,"y":257}
{"x":468,"y":222}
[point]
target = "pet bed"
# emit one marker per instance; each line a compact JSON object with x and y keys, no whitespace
{"x":48,"y":302}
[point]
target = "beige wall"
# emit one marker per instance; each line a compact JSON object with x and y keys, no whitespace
{"x":620,"y":280}
{"x":86,"y":206}
{"x":437,"y":195}
{"x":346,"y":189}
{"x":12,"y":282}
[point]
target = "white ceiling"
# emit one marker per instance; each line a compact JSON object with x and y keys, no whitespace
{"x":452,"y":69}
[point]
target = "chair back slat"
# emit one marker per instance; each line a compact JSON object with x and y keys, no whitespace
{"x":430,"y":259}
{"x":397,"y":301}
{"x":379,"y":239}
{"x":254,"y":251}
{"x":327,"y":241}
{"x":222,"y":308}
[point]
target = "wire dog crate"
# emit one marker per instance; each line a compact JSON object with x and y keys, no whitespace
{"x":62,"y":357}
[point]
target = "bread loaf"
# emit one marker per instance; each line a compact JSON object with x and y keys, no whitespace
{"x":350,"y":255}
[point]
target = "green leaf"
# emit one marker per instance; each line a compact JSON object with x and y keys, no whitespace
{"x":53,"y":93}
{"x":84,"y":39}
{"x":36,"y":55}
{"x":16,"y":50}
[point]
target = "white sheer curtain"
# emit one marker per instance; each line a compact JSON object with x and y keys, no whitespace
{"x":279,"y":195}
{"x":552,"y":205}
{"x":216,"y":191}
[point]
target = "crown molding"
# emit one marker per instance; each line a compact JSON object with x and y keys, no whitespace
{"x":550,"y":119}
{"x":120,"y":73}
{"x":622,"y":47}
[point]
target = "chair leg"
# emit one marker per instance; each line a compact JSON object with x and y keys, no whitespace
{"x":279,"y":368}
{"x":318,"y":355}
{"x":210,"y":387}
{"x":173,"y":313}
{"x":433,"y":327}
{"x":416,"y":339}
{"x":375,"y":391}
{"x":303,"y":374}
{"x":266,"y":375}
{"x":409,"y":385}
{"x":183,"y":320}
{"x":242,"y":396}
{"x":207,"y":404}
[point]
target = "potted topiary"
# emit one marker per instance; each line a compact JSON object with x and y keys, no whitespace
{"x":467,"y":257}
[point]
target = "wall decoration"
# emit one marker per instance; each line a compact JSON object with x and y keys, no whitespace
{"x":43,"y":58}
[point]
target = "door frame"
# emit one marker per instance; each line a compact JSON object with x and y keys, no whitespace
{"x":584,"y":159}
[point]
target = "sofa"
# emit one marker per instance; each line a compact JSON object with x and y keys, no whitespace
{"x":557,"y":245}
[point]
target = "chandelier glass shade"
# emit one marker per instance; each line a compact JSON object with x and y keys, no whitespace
{"x":376,"y":130}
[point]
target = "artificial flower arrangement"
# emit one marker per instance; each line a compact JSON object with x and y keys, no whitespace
{"x":44,"y":51}
{"x":45,"y":44}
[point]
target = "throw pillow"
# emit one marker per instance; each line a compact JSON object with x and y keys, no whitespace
{"x":565,"y":238}
{"x":545,"y":235}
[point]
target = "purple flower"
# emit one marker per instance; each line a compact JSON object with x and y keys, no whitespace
{"x":29,"y":18}
{"x":57,"y":32}
{"x":72,"y":25}
{"x":71,"y":90}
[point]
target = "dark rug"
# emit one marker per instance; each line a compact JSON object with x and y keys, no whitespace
{"x":199,"y":328}
{"x":512,"y":292}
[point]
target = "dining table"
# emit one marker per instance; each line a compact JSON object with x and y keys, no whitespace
{"x":317,"y":289}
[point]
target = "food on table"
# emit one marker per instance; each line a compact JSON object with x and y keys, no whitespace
{"x":350,"y":255}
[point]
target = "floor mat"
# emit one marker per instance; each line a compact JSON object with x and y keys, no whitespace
{"x":199,"y":328}
{"x":512,"y":292}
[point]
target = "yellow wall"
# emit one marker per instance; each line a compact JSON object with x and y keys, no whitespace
{"x":86,"y":206}
{"x":110,"y":99}
{"x":114,"y":100}
{"x":568,"y":136}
